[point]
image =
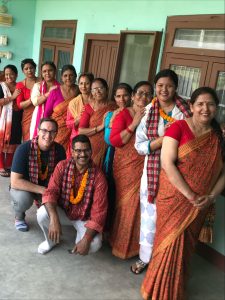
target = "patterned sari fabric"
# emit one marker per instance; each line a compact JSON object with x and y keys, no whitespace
{"x":98,"y":144}
{"x":127,"y":170}
{"x":179,"y":223}
{"x":59,"y":115}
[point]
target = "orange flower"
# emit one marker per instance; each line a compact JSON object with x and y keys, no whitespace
{"x":163,"y":114}
{"x":81,"y":190}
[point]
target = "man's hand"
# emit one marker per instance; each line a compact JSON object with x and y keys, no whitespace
{"x":82,"y":247}
{"x":54,"y":230}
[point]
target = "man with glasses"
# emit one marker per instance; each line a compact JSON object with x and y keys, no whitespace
{"x":77,"y":196}
{"x":33,"y":163}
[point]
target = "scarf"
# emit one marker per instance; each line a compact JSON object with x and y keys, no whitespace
{"x":5,"y":118}
{"x":67,"y":186}
{"x":153,"y":163}
{"x":33,"y":161}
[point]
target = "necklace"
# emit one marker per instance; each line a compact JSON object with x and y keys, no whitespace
{"x":81,"y":189}
{"x":163,"y":114}
{"x":41,"y":175}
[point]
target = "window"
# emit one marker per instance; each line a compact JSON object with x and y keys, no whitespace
{"x":57,"y":43}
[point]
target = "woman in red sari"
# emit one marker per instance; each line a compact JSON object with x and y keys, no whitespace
{"x":10,"y":119}
{"x":127,"y":170}
{"x":192,"y":175}
{"x":23,"y":101}
{"x":92,"y":119}
{"x":58,"y":101}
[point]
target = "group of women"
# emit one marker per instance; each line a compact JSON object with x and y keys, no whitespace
{"x":158,"y":215}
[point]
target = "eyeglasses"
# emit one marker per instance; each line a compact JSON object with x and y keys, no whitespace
{"x":79,"y":151}
{"x":142,"y":93}
{"x":97,"y":89}
{"x":45,"y":131}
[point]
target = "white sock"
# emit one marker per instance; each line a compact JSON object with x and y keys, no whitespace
{"x":45,"y":247}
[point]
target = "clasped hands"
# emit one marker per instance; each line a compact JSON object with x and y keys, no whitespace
{"x":202,"y":202}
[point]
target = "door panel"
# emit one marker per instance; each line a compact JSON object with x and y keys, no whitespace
{"x":100,"y":57}
{"x":63,"y":56}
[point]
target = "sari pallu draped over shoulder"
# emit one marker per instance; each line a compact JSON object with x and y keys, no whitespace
{"x":6,"y":121}
{"x":179,"y":223}
{"x":98,"y":144}
{"x":59,"y":115}
{"x":127,"y":170}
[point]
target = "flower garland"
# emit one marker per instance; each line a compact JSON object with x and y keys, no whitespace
{"x":41,"y":175}
{"x":81,"y":189}
{"x":163,"y":114}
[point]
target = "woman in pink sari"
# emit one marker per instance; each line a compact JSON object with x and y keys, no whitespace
{"x":76,"y":106}
{"x":192,"y":176}
{"x":23,"y":101}
{"x":10,"y":119}
{"x":40,"y":93}
{"x":58,"y":101}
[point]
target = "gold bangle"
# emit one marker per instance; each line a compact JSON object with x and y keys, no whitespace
{"x":96,"y":129}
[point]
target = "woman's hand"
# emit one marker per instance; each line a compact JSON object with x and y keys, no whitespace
{"x":137,"y":118}
{"x":204,"y":201}
{"x":15,"y":94}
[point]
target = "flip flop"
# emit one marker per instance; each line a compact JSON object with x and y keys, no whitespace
{"x":4,"y":173}
{"x":138,"y":267}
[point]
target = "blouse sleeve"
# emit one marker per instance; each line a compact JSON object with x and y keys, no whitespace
{"x":85,"y":118}
{"x":121,"y":122}
{"x":20,"y":97}
{"x":174,"y":131}
{"x":69,"y":120}
{"x":35,"y":93}
{"x":142,"y":143}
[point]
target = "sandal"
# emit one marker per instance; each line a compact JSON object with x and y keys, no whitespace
{"x":138,"y":267}
{"x":4,"y":173}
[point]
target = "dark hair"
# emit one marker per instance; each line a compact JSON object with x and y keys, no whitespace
{"x":48,"y":120}
{"x":81,"y":138}
{"x":215,"y":125}
{"x":90,"y":76}
{"x":167,"y":73}
{"x":103,"y":82}
{"x":11,"y":67}
{"x":28,"y":61}
{"x":123,"y":85}
{"x":69,"y":67}
{"x":49,"y":63}
{"x":140,"y":83}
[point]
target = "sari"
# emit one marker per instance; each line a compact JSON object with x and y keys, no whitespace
{"x":179,"y":223}
{"x":91,"y":118}
{"x":74,"y":110}
{"x":127,"y":170}
{"x":27,"y":112}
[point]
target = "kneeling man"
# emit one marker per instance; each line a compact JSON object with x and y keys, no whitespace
{"x":77,"y":196}
{"x":33,"y":163}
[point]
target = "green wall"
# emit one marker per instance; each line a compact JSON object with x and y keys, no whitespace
{"x":20,"y":34}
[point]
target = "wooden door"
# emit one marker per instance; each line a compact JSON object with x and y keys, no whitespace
{"x":100,"y":55}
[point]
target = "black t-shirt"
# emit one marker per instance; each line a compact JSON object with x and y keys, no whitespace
{"x":20,"y":162}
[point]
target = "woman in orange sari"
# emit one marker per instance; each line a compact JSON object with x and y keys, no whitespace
{"x":58,"y":101}
{"x":192,"y":175}
{"x":23,"y":101}
{"x":127,"y":170}
{"x":92,"y":119}
{"x":76,"y":106}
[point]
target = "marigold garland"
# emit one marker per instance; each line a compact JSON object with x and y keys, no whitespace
{"x":41,"y":175}
{"x":81,"y":189}
{"x":163,"y":114}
